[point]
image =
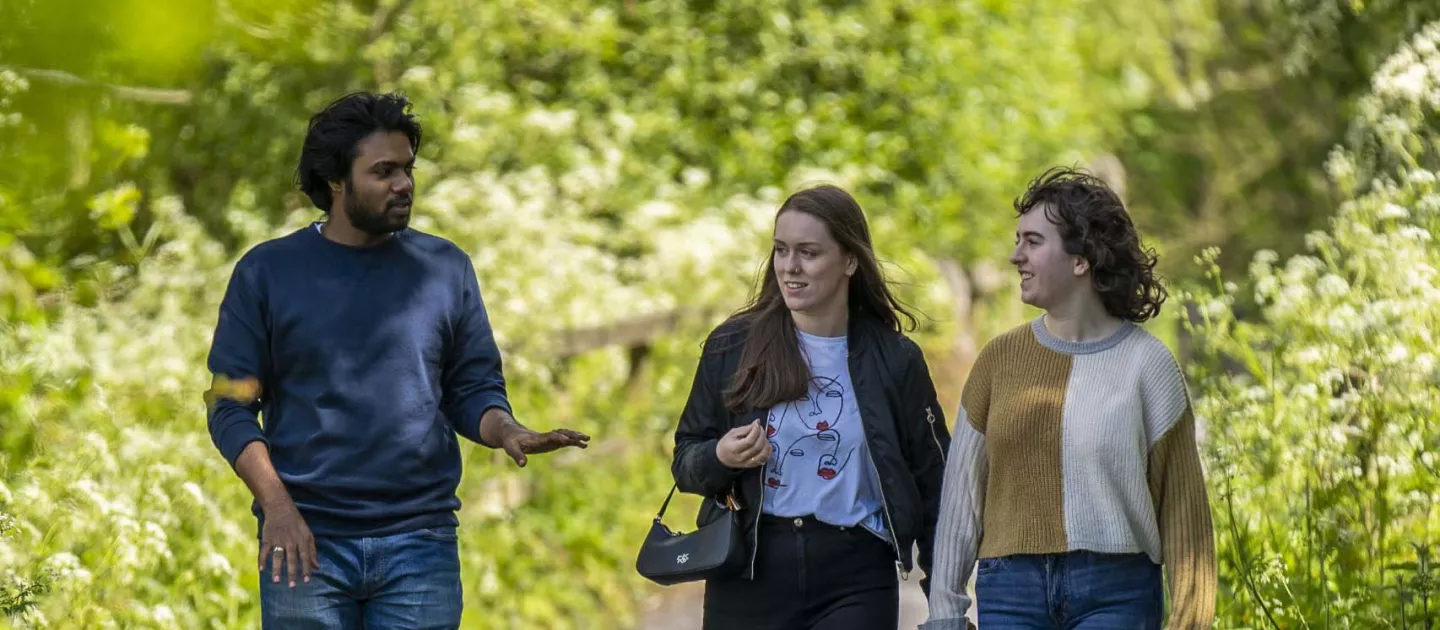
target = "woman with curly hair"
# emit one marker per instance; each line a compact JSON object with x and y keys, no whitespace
{"x":1073,"y":473}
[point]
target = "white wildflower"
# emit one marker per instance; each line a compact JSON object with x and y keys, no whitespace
{"x":1393,"y":211}
{"x":1338,"y":434}
{"x":163,"y":615}
{"x":215,"y":563}
{"x":1425,"y":362}
{"x":1411,"y":232}
{"x":1309,"y":356}
{"x":418,"y":75}
{"x":1332,"y":286}
{"x":1343,"y":320}
{"x":69,"y":568}
{"x":695,"y":177}
{"x":554,"y":123}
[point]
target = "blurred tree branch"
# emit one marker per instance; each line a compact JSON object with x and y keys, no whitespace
{"x":385,"y":18}
{"x":161,"y":96}
{"x":380,"y":24}
{"x":628,"y":333}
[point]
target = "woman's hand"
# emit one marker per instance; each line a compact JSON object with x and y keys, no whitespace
{"x":744,"y":447}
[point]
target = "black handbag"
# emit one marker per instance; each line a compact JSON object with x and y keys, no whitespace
{"x":715,"y":550}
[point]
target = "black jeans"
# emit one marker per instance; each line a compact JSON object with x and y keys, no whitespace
{"x":810,"y":576}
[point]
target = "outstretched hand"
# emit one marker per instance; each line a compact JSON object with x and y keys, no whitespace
{"x":519,"y":442}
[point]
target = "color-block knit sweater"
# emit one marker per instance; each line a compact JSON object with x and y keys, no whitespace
{"x":1065,"y":446}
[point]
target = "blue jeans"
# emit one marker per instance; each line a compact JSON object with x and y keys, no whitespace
{"x":409,"y":580}
{"x":1073,"y":591}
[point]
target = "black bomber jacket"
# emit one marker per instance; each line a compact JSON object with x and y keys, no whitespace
{"x":904,"y":428}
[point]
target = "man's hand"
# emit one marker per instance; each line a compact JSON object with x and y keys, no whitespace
{"x":287,"y":544}
{"x":520,"y":441}
{"x":285,"y":541}
{"x":498,"y":427}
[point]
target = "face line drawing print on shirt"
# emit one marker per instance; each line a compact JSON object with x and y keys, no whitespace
{"x":825,"y":399}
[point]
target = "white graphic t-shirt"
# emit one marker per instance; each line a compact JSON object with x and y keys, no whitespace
{"x":821,"y":462}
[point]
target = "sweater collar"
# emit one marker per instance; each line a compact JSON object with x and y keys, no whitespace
{"x":1057,"y":344}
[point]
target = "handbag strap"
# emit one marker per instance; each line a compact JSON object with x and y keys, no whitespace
{"x":731,"y":503}
{"x":666,"y":505}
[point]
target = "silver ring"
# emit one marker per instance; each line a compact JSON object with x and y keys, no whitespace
{"x":278,"y":549}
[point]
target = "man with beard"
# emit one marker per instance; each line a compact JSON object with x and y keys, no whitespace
{"x":365,"y":347}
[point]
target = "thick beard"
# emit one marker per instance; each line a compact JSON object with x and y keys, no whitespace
{"x":372,"y":221}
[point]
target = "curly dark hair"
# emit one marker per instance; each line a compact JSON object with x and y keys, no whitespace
{"x":334,"y":133}
{"x":1094,"y":225}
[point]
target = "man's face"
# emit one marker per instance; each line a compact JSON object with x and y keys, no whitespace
{"x":378,"y":192}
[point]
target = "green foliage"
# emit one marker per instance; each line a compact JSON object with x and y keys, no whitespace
{"x":603,"y":161}
{"x":1321,"y":404}
{"x":936,"y":112}
{"x":18,"y":590}
{"x":1316,"y":32}
{"x":1250,"y":98}
{"x":600,"y":161}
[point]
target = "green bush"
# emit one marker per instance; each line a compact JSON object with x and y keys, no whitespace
{"x":1320,"y":403}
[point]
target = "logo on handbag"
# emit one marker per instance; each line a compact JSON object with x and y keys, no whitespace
{"x":682,"y":558}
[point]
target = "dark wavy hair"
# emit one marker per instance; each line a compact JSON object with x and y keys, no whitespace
{"x":1094,"y":225}
{"x":772,"y":369}
{"x":330,"y":143}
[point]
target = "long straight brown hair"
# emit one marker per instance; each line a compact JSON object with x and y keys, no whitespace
{"x":771,"y":369}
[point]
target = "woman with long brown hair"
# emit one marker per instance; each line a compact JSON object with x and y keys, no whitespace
{"x":813,"y":409}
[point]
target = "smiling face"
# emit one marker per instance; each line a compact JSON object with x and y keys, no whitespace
{"x":812,"y":269}
{"x":1048,"y":275}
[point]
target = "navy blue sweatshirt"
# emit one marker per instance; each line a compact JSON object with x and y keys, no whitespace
{"x":370,"y":361}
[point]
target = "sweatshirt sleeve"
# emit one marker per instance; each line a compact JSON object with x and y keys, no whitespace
{"x":239,"y":364}
{"x":474,"y":376}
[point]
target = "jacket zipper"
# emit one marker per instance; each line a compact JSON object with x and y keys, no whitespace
{"x":930,"y":417}
{"x":759,"y":510}
{"x":885,"y":504}
{"x":889,"y":522}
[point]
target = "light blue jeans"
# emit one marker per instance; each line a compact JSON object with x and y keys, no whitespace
{"x":407,"y":581}
{"x":1071,"y":591}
